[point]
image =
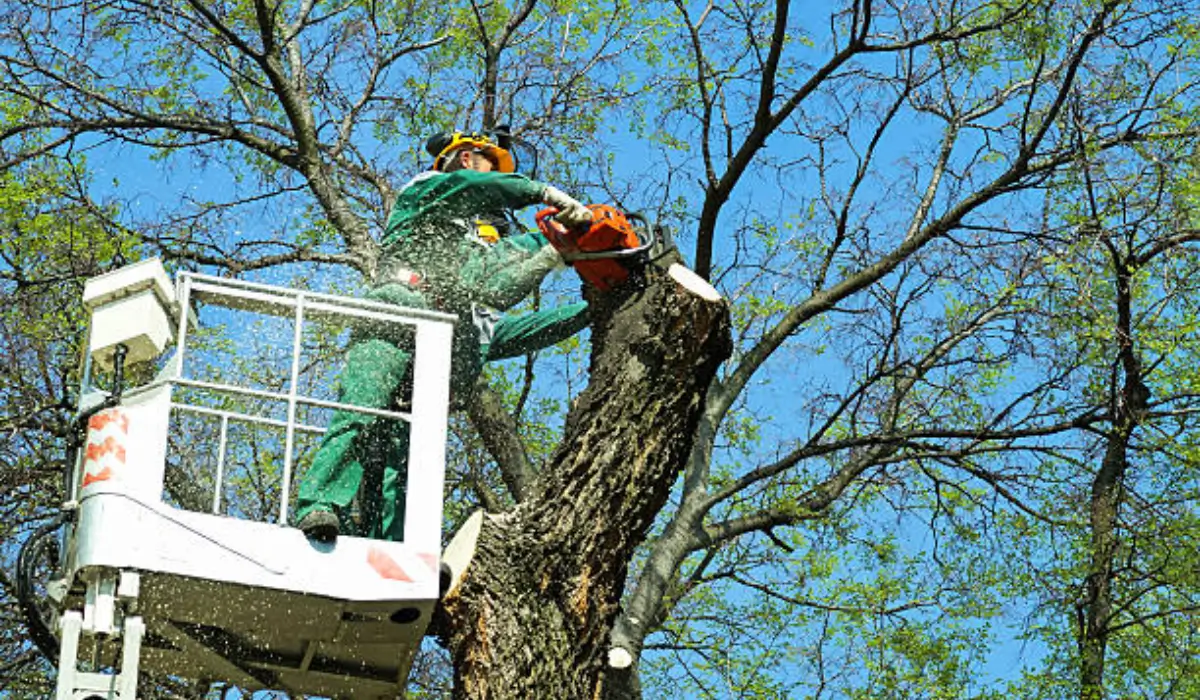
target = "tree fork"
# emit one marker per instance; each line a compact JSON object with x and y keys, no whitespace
{"x":530,"y":615}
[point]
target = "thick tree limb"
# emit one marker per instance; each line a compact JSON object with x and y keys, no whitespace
{"x":564,"y":552}
{"x":499,"y":433}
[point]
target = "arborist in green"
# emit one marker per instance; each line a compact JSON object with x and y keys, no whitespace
{"x":446,"y":247}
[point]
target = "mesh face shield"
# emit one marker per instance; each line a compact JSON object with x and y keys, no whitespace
{"x":508,"y":153}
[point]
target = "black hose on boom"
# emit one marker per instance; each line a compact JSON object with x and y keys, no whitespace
{"x":41,"y":547}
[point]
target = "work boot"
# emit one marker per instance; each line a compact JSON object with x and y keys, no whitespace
{"x":320,"y":526}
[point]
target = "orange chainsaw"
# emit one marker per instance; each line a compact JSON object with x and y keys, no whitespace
{"x":608,"y":251}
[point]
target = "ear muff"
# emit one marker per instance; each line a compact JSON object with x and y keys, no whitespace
{"x":438,"y":143}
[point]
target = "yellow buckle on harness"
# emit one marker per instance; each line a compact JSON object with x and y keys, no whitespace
{"x":487,"y":232}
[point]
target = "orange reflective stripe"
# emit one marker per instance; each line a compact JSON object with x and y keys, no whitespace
{"x":431,"y":560}
{"x":110,"y":446}
{"x":385,"y":566}
{"x":89,"y":478}
{"x":102,"y":419}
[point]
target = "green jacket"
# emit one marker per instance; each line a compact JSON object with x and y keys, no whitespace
{"x":432,"y":231}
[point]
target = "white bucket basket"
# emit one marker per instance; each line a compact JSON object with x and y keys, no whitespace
{"x":340,"y":619}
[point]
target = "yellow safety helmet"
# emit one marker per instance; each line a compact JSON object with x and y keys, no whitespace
{"x":442,"y":146}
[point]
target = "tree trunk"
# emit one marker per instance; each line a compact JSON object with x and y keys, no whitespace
{"x":531,"y":614}
{"x":1098,"y":603}
{"x":1107,"y":490}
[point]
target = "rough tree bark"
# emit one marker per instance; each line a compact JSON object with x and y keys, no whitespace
{"x":531,"y":614}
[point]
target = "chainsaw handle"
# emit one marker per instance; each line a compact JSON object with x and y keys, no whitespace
{"x":645,"y":232}
{"x":546,"y":218}
{"x":555,"y":232}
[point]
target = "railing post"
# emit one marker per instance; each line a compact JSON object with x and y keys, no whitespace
{"x":427,"y":441}
{"x":293,"y":393}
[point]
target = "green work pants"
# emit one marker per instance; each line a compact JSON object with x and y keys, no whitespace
{"x":371,"y":452}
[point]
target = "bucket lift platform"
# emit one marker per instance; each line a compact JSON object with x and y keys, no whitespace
{"x":231,"y":593}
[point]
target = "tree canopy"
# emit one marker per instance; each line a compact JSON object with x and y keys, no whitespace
{"x":949,"y":449}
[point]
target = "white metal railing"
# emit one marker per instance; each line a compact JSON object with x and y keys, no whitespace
{"x":302,"y":306}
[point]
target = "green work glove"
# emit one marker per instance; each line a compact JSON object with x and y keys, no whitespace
{"x":571,"y":213}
